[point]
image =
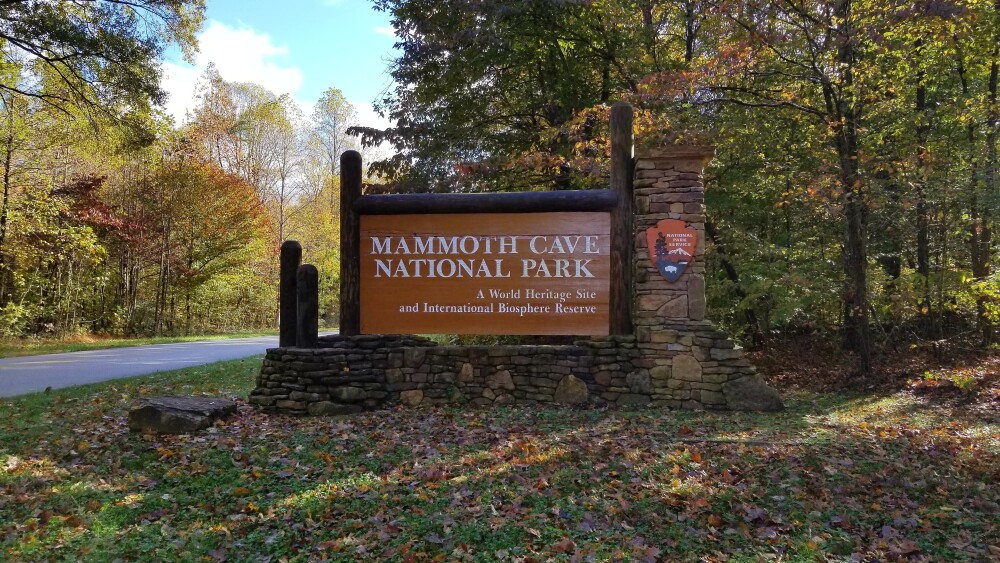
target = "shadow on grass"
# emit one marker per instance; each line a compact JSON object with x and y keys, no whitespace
{"x":832,"y":475}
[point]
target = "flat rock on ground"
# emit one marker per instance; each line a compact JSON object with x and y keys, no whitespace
{"x":751,"y":394}
{"x":179,"y":414}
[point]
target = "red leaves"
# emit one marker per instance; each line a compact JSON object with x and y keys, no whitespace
{"x":699,"y":504}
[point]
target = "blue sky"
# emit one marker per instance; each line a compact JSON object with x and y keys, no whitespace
{"x":300,"y":47}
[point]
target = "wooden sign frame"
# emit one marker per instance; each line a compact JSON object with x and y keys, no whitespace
{"x":617,"y":202}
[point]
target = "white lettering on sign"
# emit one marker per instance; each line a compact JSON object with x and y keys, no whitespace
{"x":541,"y":245}
{"x":444,"y":245}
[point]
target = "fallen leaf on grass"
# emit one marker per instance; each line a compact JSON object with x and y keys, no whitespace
{"x":565,"y":546}
{"x":241,"y":492}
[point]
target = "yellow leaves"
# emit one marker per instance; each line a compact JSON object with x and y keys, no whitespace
{"x":325,"y":456}
{"x":240,"y":492}
{"x":175,"y":472}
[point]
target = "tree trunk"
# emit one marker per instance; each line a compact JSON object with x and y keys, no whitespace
{"x":4,"y":214}
{"x":164,"y":280}
{"x":985,"y":266}
{"x":922,"y":222}
{"x":857,"y":333}
{"x":690,"y":30}
{"x":980,"y":235}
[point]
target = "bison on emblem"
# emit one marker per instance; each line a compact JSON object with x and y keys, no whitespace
{"x":671,"y":247}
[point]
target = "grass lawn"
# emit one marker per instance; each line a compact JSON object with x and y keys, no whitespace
{"x":889,"y":477}
{"x":10,"y":348}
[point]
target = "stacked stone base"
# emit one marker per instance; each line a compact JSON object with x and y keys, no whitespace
{"x":692,"y":367}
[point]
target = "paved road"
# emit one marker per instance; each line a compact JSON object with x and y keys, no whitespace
{"x":34,"y":373}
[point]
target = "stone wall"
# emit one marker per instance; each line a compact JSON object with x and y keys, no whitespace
{"x":349,"y":374}
{"x":675,"y":358}
{"x":342,"y":375}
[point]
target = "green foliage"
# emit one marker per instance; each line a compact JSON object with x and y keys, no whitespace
{"x":102,"y":55}
{"x":987,"y":292}
{"x":965,"y":380}
{"x":177,"y":234}
{"x":856,"y":179}
{"x":478,"y":83}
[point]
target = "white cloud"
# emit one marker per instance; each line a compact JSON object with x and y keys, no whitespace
{"x":367,"y":117}
{"x":244,"y":55}
{"x":385,"y":30}
{"x":241,"y":55}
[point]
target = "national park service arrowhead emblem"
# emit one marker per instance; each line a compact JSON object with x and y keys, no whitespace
{"x":671,"y":247}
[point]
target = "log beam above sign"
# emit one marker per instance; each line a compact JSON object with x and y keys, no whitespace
{"x":512,"y":202}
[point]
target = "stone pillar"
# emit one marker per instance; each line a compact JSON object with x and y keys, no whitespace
{"x":669,"y":185}
{"x":691,"y":364}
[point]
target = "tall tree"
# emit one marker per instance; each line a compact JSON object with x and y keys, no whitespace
{"x":328,"y":138}
{"x":251,"y":133}
{"x":102,"y":51}
{"x":479,"y":83}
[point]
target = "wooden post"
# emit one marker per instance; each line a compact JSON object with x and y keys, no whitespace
{"x":307,"y":297}
{"x":622,"y":222}
{"x":291,"y":257}
{"x":350,"y":241}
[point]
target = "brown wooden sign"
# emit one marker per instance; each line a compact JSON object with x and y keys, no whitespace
{"x":486,"y":273}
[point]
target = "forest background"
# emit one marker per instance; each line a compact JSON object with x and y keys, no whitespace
{"x":854,"y":196}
